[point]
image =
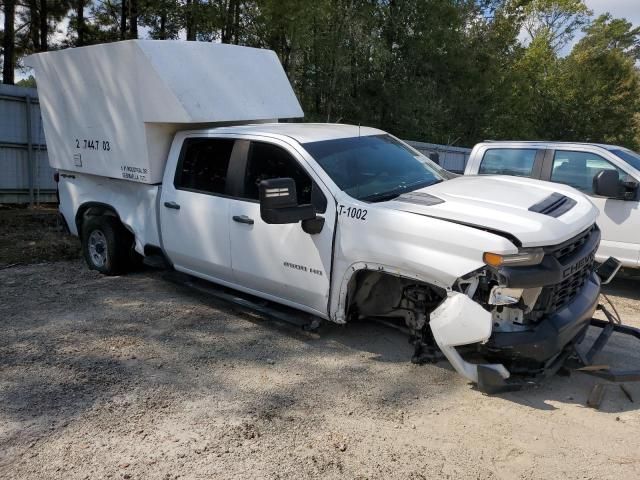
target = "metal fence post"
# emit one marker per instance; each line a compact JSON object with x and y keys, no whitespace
{"x":29,"y":151}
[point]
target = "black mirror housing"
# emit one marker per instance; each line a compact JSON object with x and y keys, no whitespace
{"x":606,"y":183}
{"x":279,"y":202}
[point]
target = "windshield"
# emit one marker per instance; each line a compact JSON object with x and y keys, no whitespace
{"x":373,"y":168}
{"x":629,"y":156}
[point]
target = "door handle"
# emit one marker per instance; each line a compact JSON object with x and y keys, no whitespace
{"x":173,"y":205}
{"x":243,"y":219}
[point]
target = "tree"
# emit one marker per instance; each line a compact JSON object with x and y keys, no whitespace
{"x":557,"y":20}
{"x":190,"y":19}
{"x":44,"y":26}
{"x":80,"y":23}
{"x":8,"y":42}
{"x":608,"y":33}
{"x":123,"y":19}
{"x":601,"y":85}
{"x":162,"y":17}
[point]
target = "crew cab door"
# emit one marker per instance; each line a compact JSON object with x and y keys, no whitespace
{"x":194,"y":208}
{"x":619,"y":218}
{"x":280,"y":261}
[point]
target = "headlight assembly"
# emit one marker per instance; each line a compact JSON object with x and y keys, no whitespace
{"x":522,"y":258}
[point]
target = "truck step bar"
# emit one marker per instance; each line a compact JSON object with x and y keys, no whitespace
{"x":248,"y":303}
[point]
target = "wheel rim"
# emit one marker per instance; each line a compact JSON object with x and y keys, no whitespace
{"x":98,"y":248}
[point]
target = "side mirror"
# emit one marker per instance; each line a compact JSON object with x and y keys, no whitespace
{"x":606,"y":183}
{"x":279,"y":202}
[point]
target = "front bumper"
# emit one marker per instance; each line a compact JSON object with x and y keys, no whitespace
{"x":544,"y":341}
{"x":555,"y":324}
{"x":519,"y":358}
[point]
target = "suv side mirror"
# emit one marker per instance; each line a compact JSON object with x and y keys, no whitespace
{"x":279,"y":202}
{"x":606,"y":183}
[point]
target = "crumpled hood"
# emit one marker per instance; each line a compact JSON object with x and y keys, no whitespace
{"x":502,"y":203}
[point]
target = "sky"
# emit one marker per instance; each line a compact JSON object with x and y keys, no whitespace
{"x":629,"y":9}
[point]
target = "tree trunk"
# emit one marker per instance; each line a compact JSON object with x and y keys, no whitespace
{"x":123,"y":20}
{"x":191,"y":33}
{"x":133,"y":19}
{"x":227,"y":28}
{"x":163,"y":25}
{"x":236,"y":23}
{"x":80,"y":22}
{"x":9,"y":41}
{"x":44,"y":26}
{"x":34,"y":18}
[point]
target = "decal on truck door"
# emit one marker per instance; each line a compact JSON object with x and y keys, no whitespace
{"x":303,"y":268}
{"x":353,"y":212}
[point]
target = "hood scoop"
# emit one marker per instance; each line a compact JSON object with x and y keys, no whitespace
{"x":554,"y":205}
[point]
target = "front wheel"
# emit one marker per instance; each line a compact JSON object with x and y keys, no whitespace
{"x":106,"y":245}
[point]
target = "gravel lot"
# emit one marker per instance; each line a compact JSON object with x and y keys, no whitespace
{"x":137,"y":377}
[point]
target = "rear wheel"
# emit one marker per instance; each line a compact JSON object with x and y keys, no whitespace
{"x":106,"y":245}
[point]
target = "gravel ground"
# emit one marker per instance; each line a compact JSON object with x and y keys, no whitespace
{"x":137,"y":377}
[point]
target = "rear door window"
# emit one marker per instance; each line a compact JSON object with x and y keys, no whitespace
{"x":508,"y":161}
{"x":577,"y":169}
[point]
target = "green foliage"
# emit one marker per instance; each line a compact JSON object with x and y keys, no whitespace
{"x":601,"y":85}
{"x":445,"y":71}
{"x":556,"y":20}
{"x":27,"y":82}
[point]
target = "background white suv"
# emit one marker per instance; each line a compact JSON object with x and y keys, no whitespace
{"x":608,"y":174}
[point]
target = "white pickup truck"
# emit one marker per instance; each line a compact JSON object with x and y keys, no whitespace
{"x":174,"y":147}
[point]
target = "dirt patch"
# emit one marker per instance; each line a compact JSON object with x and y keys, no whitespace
{"x":134,"y":377}
{"x":33,"y":235}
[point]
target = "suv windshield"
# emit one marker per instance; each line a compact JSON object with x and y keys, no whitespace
{"x":629,"y":156}
{"x":373,"y":168}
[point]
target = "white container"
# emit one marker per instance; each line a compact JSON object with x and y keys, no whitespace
{"x":112,"y":109}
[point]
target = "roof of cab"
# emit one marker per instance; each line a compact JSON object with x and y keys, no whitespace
{"x":301,"y":132}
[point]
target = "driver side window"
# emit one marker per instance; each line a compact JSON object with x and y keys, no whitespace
{"x":577,"y":169}
{"x":266,"y":161}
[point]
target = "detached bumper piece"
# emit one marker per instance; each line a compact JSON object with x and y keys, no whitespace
{"x":608,"y":327}
{"x":572,"y":358}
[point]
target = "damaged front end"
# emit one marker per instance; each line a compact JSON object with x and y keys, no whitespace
{"x":537,"y":314}
{"x":503,"y":326}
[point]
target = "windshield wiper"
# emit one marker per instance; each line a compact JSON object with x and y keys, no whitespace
{"x":386,"y":196}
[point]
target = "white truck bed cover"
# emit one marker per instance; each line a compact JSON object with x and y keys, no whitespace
{"x":112,"y":109}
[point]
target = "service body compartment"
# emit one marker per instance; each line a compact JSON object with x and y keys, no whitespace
{"x":112,"y":110}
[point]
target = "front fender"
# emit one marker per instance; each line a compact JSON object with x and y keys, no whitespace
{"x":404,"y":244}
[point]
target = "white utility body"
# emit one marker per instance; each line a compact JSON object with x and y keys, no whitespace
{"x":577,"y":165}
{"x":174,"y":148}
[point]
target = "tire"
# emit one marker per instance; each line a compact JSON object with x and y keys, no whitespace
{"x":106,"y":245}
